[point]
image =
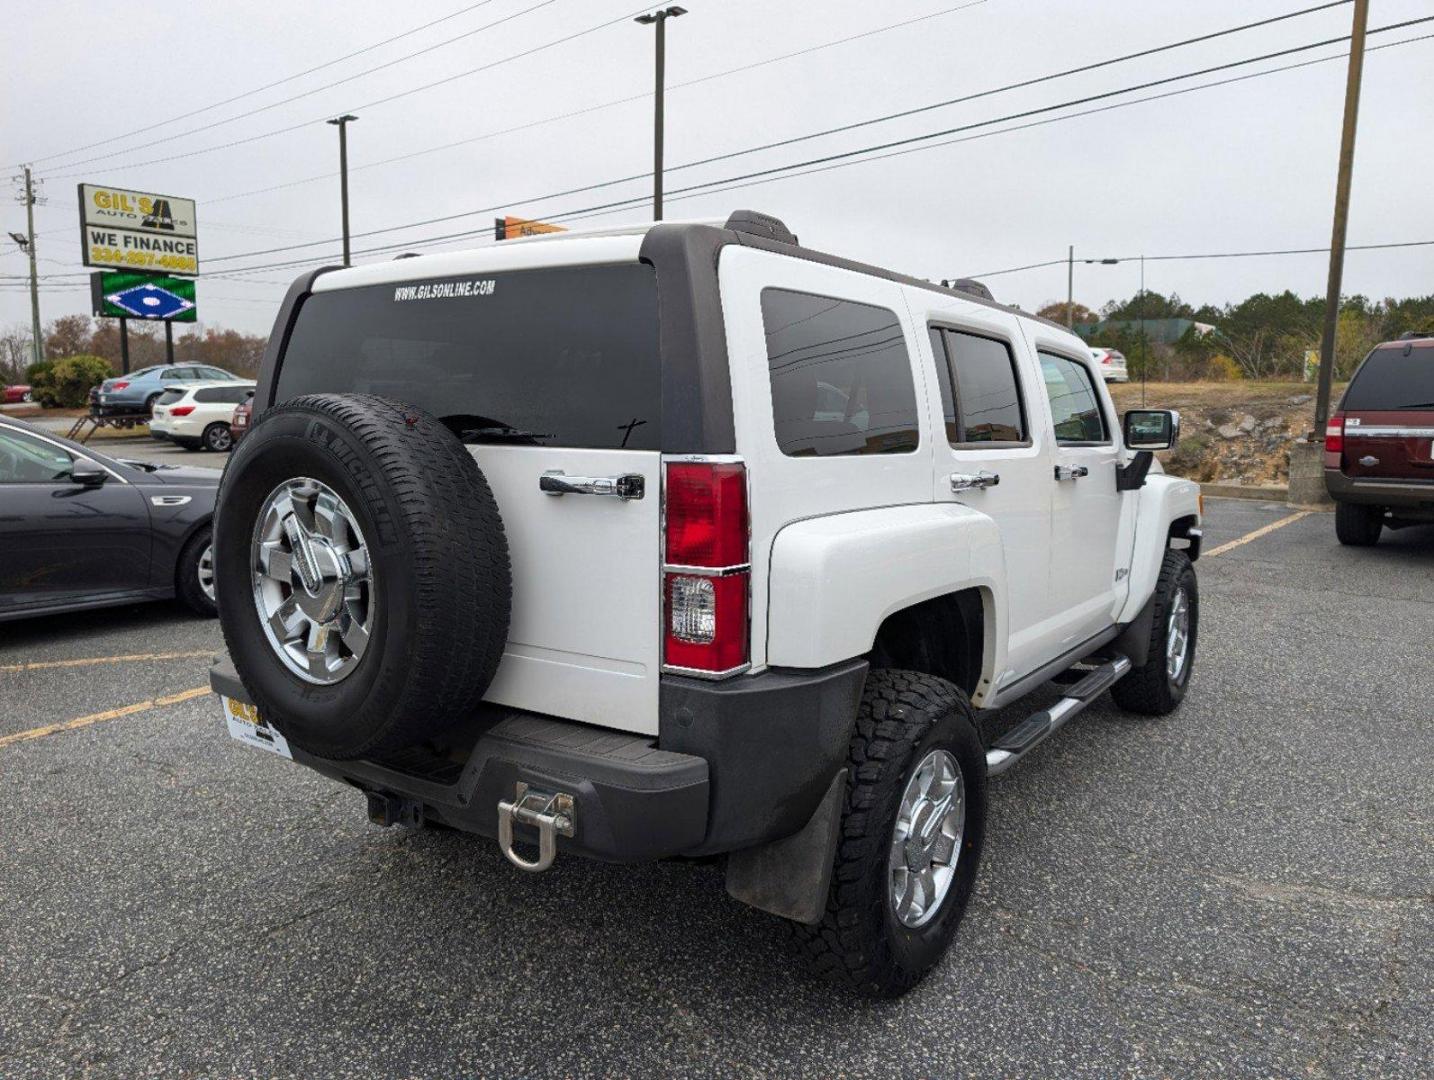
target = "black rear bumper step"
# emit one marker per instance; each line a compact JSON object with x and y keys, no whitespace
{"x":1036,"y":728}
{"x":634,"y":800}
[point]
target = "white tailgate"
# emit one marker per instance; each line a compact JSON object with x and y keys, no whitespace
{"x":584,"y":642}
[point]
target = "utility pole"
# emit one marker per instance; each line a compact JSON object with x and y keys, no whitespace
{"x":27,"y":242}
{"x":659,"y":19}
{"x":1070,"y":287}
{"x":1142,"y":331}
{"x":342,"y":122}
{"x":1341,"y":216}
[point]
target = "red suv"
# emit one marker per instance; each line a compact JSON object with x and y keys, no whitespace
{"x":1379,"y":446}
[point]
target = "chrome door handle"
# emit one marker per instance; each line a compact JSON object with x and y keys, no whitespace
{"x":968,"y":481}
{"x":1071,"y":472}
{"x":627,"y":486}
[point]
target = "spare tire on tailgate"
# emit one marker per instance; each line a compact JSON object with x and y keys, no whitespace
{"x":362,"y":574}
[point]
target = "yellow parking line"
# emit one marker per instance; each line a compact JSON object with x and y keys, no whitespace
{"x":39,"y":665}
{"x":95,"y":718}
{"x":1266,"y":530}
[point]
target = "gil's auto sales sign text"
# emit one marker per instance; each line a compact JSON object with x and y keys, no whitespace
{"x":138,"y":230}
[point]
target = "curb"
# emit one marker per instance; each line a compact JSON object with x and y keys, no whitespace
{"x":1263,"y":492}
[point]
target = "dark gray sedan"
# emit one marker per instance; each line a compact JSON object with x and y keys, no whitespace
{"x":80,"y":530}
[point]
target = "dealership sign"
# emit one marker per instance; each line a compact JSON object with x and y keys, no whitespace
{"x":138,"y":230}
{"x":143,"y":296}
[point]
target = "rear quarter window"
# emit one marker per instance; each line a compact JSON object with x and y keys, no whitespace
{"x":554,"y":357}
{"x":840,"y":375}
{"x":1391,"y":378}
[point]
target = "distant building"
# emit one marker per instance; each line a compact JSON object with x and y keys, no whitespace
{"x":1166,"y":331}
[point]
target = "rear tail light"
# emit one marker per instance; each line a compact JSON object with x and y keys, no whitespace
{"x":707,"y":572}
{"x":181,"y":410}
{"x":1334,"y":434}
{"x":119,"y":385}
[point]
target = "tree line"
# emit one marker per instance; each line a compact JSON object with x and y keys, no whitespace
{"x":82,"y":335}
{"x":1263,"y":336}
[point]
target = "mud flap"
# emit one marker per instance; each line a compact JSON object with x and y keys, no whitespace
{"x":791,"y":877}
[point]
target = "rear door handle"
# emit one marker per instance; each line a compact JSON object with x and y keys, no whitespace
{"x":625,"y":487}
{"x":1071,"y":472}
{"x":970,"y":481}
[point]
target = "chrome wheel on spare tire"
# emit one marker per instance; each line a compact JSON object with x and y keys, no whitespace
{"x":926,"y":843}
{"x":312,"y":580}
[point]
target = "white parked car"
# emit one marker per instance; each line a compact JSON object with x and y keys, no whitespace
{"x":198,"y":414}
{"x":690,"y":540}
{"x":1112,"y":364}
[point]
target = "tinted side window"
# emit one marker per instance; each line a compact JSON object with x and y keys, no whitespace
{"x":841,"y":377}
{"x":1075,"y":408}
{"x":987,"y":396}
{"x":1391,"y":380}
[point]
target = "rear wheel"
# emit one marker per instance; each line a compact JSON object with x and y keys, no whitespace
{"x":912,"y":829}
{"x":1157,"y":687}
{"x":149,"y":404}
{"x":1357,"y":525}
{"x":218,"y":438}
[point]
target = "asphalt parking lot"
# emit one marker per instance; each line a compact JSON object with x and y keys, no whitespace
{"x":1243,"y":889}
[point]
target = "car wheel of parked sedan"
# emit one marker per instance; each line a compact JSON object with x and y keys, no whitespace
{"x":149,"y":404}
{"x":218,"y":438}
{"x":1357,"y":525}
{"x":27,"y":396}
{"x":194,"y":575}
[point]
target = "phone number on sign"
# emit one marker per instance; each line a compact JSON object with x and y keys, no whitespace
{"x":182,"y":264}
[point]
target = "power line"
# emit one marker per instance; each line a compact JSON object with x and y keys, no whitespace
{"x":643,"y":96}
{"x":834,"y":157}
{"x":356,"y":108}
{"x":1216,"y":255}
{"x":266,"y":86}
{"x":310,"y":92}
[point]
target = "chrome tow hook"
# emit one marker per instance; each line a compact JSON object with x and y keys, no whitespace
{"x":551,"y":813}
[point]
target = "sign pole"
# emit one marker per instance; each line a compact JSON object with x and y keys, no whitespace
{"x":168,"y":342}
{"x":124,"y":346}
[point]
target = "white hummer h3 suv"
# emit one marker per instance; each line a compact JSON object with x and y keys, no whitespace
{"x":687,"y":540}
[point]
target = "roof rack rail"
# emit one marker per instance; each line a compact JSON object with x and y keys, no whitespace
{"x":755,"y":223}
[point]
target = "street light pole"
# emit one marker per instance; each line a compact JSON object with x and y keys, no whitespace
{"x":1341,"y":216}
{"x":1070,"y":287}
{"x":342,"y":122}
{"x":26,"y":243}
{"x":659,"y":19}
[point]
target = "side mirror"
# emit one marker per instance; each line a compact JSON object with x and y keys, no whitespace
{"x":87,"y":473}
{"x":1151,"y":429}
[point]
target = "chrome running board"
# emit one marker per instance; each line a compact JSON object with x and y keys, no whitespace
{"x":1037,"y":728}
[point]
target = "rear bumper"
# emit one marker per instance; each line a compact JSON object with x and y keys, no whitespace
{"x":738,"y":763}
{"x":1404,"y":495}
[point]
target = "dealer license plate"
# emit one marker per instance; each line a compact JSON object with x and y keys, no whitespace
{"x":247,"y":727}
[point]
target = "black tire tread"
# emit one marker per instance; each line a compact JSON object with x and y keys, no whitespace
{"x":897,"y":709}
{"x":1146,"y":690}
{"x":1357,"y":525}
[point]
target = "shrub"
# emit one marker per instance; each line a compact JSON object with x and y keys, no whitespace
{"x":66,"y":384}
{"x":36,"y":371}
{"x":1222,"y":368}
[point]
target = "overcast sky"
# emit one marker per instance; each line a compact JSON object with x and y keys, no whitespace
{"x":1244,"y":166}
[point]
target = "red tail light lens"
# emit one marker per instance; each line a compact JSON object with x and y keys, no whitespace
{"x":707,"y":579}
{"x":181,"y":410}
{"x":1334,"y":434}
{"x":119,"y":385}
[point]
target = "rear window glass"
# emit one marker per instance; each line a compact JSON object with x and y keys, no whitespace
{"x":560,"y":357}
{"x":1390,"y":380}
{"x":841,"y":377}
{"x":987,"y":402}
{"x":169,"y":397}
